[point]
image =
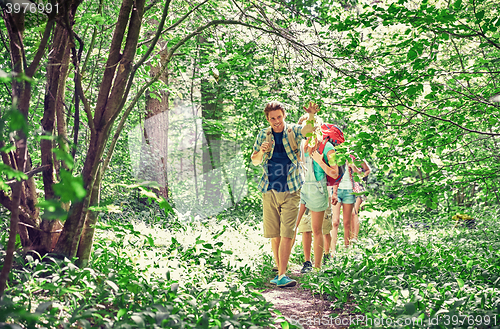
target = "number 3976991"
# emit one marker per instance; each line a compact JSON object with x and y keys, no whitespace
{"x":30,"y":7}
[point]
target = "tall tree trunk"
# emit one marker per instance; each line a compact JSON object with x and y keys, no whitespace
{"x":21,"y":95}
{"x":57,"y":72}
{"x":156,"y":126}
{"x":109,"y":103}
{"x":14,"y":217}
{"x":210,"y":113}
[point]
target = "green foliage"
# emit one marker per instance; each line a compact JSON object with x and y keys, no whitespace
{"x":115,"y":293}
{"x":417,"y":271}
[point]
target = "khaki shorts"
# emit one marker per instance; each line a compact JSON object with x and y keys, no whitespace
{"x":305,"y":222}
{"x":280,"y":213}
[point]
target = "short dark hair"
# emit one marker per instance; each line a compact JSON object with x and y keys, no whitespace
{"x":273,"y":106}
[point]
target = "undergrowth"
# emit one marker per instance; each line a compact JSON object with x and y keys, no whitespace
{"x":198,"y":275}
{"x":417,"y":273}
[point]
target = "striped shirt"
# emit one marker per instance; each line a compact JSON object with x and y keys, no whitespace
{"x":294,"y":178}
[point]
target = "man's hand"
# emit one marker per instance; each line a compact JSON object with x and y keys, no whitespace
{"x":312,"y":109}
{"x":266,"y":147}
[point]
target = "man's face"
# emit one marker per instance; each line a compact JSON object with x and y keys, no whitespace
{"x":277,"y":120}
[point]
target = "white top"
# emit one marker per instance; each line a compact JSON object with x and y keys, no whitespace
{"x":346,"y":182}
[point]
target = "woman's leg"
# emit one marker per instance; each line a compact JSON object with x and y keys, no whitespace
{"x":327,"y":241}
{"x":347,"y":215}
{"x":317,"y":228}
{"x":355,"y":219}
{"x":335,"y":225}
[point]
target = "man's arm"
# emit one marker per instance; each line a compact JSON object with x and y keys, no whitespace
{"x":308,"y":128}
{"x":257,"y":156}
{"x":311,"y":110}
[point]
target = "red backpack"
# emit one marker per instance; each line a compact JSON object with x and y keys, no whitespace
{"x":332,"y":134}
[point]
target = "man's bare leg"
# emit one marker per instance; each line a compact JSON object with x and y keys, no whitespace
{"x":285,"y":247}
{"x":275,"y":245}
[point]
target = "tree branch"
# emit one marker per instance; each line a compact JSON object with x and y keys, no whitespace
{"x":179,"y":21}
{"x":30,"y":174}
{"x":30,"y":71}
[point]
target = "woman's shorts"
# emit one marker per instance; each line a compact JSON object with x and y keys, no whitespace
{"x":345,"y":196}
{"x":305,"y":222}
{"x":315,"y":196}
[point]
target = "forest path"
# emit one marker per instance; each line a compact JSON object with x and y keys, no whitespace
{"x":300,"y":306}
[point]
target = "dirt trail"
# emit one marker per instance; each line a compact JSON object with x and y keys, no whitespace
{"x":299,"y":306}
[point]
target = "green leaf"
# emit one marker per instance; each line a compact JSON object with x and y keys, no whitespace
{"x":16,"y":121}
{"x":139,"y":321}
{"x":121,"y":312}
{"x":65,"y":157}
{"x":480,"y":15}
{"x":70,"y":188}
{"x":460,"y":283}
{"x":113,"y":285}
{"x":52,"y":210}
{"x":4,"y":77}
{"x":412,"y":54}
{"x":410,"y":308}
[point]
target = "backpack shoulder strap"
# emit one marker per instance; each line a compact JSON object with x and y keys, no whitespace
{"x":292,"y":141}
{"x":321,"y":146}
{"x":268,"y":134}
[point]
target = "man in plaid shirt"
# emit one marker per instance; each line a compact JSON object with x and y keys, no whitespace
{"x":280,"y":182}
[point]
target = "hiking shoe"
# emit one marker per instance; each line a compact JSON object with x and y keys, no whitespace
{"x":326,"y":258}
{"x":285,"y":282}
{"x":275,"y":269}
{"x":273,"y":281}
{"x":307,"y":267}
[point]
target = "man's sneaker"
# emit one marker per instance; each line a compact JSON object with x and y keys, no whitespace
{"x":273,"y":281}
{"x":326,"y":258}
{"x":307,"y":267}
{"x":285,"y":282}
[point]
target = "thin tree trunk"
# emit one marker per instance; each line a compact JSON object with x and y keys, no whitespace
{"x":156,"y":125}
{"x":211,"y":151}
{"x":54,"y":84}
{"x":86,"y":241}
{"x":14,"y":217}
{"x":109,"y":102}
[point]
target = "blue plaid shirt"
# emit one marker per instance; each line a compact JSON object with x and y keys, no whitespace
{"x":294,"y":178}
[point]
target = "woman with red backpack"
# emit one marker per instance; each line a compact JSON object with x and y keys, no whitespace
{"x":314,"y":192}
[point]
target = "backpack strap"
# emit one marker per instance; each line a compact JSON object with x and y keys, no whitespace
{"x":321,"y":146}
{"x":269,"y":133}
{"x":293,"y":142}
